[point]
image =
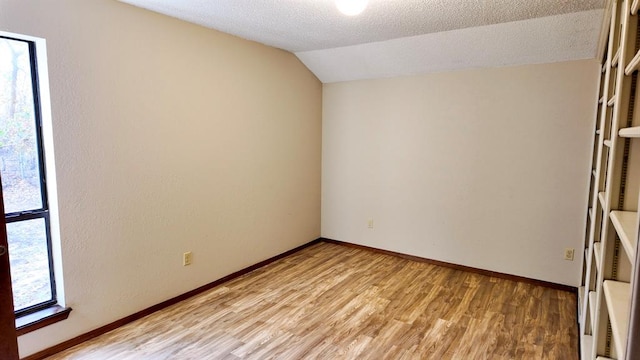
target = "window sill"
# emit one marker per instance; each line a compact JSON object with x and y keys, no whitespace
{"x":39,"y":319}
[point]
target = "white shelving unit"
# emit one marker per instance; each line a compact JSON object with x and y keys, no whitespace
{"x":612,"y":222}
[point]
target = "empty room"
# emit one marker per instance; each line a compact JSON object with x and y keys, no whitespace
{"x":319,"y":179}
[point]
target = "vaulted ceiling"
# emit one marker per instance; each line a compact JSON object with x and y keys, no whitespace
{"x":404,"y":37}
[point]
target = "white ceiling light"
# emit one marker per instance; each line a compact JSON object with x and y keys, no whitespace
{"x":351,"y":7}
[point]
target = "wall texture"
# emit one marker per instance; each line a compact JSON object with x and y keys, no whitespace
{"x":169,"y":137}
{"x":485,"y":168}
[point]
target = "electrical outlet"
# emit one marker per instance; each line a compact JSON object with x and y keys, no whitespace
{"x":370,"y":224}
{"x":568,"y":254}
{"x":187,"y":258}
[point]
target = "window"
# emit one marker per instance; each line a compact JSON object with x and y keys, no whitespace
{"x":22,"y":167}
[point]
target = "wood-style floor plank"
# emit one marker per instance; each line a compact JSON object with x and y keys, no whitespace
{"x":334,"y":302}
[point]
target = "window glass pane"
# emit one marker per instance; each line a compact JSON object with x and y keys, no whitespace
{"x":29,"y":260}
{"x":19,"y":158}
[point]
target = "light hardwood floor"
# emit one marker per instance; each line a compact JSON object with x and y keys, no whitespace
{"x":335,"y":302}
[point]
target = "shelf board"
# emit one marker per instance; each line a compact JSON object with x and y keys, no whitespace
{"x":611,"y":101}
{"x":601,"y":198}
{"x":607,"y":143}
{"x":581,"y":293}
{"x":597,"y":253}
{"x":635,"y":6}
{"x":593,"y":173}
{"x":601,"y":100}
{"x":586,"y":347}
{"x":598,"y":132}
{"x":592,"y":305}
{"x":633,"y":64}
{"x":630,"y":132}
{"x":616,"y":57}
{"x":626,"y":226}
{"x":618,"y":297}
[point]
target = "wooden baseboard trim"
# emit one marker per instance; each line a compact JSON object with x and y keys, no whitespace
{"x":140,"y":314}
{"x":458,"y":267}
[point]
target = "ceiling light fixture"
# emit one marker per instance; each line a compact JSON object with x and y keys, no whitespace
{"x":351,"y":7}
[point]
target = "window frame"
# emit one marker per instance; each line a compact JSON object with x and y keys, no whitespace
{"x":43,"y":212}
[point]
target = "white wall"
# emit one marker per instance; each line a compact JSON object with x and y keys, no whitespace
{"x":484,"y":168}
{"x":169,"y":137}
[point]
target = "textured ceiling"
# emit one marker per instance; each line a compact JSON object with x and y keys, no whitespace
{"x":321,"y":36}
{"x":535,"y":41}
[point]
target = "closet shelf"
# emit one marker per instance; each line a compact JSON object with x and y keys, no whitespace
{"x":607,"y":143}
{"x":626,"y":226}
{"x":618,"y":295}
{"x":593,"y":173}
{"x":630,"y":132}
{"x":611,"y":101}
{"x":598,"y":132}
{"x":616,"y":57}
{"x":634,"y":7}
{"x":601,"y":198}
{"x":597,"y":254}
{"x":601,"y":99}
{"x":633,"y":64}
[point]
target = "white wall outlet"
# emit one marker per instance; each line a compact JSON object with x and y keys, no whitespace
{"x":187,"y":258}
{"x":370,"y":224}
{"x":568,"y":254}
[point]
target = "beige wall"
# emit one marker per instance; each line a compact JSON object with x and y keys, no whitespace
{"x":485,"y":168}
{"x":169,"y":137}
